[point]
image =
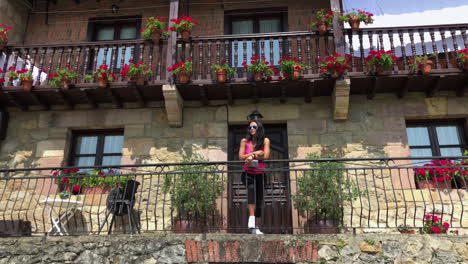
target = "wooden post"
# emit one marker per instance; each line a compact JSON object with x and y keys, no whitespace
{"x":172,"y":40}
{"x":338,"y":28}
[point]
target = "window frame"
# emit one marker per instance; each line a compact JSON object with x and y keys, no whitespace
{"x":95,"y":23}
{"x":255,"y":15}
{"x":435,"y":147}
{"x":99,"y":154}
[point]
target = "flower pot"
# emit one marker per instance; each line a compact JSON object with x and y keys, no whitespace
{"x":185,"y":35}
{"x":186,"y":226}
{"x":408,"y":231}
{"x":429,"y":184}
{"x":222,"y":75}
{"x":336,"y":75}
{"x":66,"y":83}
{"x":427,"y":67}
{"x":95,"y":190}
{"x":140,"y":80}
{"x":258,"y":76}
{"x":296,"y":73}
{"x":27,"y":84}
{"x":156,"y":36}
{"x":184,"y":77}
{"x":102,"y":81}
{"x":354,"y":23}
{"x":322,"y":28}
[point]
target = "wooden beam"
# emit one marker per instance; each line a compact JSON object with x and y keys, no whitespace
{"x":371,"y":90}
{"x":229,"y":94}
{"x":62,"y":96}
{"x":172,"y":40}
{"x":114,"y":97}
{"x":283,"y":94}
{"x":463,"y":87}
{"x":138,"y":95}
{"x":14,"y":101}
{"x":204,"y":98}
{"x":338,"y":30}
{"x":309,"y":92}
{"x":89,"y":98}
{"x":38,"y":100}
{"x":404,"y":88}
{"x":434,"y":87}
{"x":255,"y":93}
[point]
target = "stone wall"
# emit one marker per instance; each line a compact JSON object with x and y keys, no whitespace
{"x":154,"y":248}
{"x":15,"y":14}
{"x":63,"y":27}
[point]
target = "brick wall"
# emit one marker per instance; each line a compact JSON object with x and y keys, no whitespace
{"x":72,"y":26}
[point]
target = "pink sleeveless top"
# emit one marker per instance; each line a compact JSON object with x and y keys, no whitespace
{"x":261,"y":165}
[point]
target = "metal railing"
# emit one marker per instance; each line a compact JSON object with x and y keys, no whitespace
{"x":299,"y":196}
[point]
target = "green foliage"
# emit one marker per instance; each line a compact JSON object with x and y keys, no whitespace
{"x":288,"y":64}
{"x":225,"y":66}
{"x":361,"y":15}
{"x":369,"y":241}
{"x":259,"y":65}
{"x":64,"y":194}
{"x":380,"y":58}
{"x":154,"y":24}
{"x":93,"y":178}
{"x":323,"y":16}
{"x":323,"y":188}
{"x":341,"y":244}
{"x":183,"y":23}
{"x":135,"y":70}
{"x":194,"y":191}
{"x":462,"y":56}
{"x":183,"y":66}
{"x":417,"y":62}
{"x":61,"y":74}
{"x":104,"y":71}
{"x":23,"y":74}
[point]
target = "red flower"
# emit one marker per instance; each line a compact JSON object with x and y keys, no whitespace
{"x":76,"y":188}
{"x":2,"y":80}
{"x":446,"y":225}
{"x":65,"y":180}
{"x":436,"y":230}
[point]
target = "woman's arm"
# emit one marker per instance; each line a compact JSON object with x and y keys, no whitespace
{"x":242,"y":155}
{"x":265,"y":154}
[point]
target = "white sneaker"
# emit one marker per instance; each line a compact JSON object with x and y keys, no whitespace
{"x":251,"y":224}
{"x":256,"y":231}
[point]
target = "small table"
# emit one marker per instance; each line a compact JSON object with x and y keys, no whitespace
{"x":59,"y":221}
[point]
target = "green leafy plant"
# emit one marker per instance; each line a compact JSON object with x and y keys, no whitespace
{"x":154,"y":24}
{"x":462,"y":55}
{"x":369,"y":241}
{"x":78,"y":179}
{"x":194,"y":189}
{"x":62,"y":74}
{"x":380,"y":59}
{"x":183,"y":23}
{"x":405,"y":228}
{"x":223,"y":66}
{"x":104,"y":71}
{"x":64,"y":194}
{"x":416,"y":63}
{"x":260,"y":65}
{"x":135,"y":70}
{"x":288,"y":64}
{"x":361,"y":15}
{"x":434,"y":225}
{"x":335,"y":64}
{"x":3,"y":33}
{"x":23,"y":74}
{"x":323,"y":188}
{"x":323,"y":17}
{"x":182,"y":67}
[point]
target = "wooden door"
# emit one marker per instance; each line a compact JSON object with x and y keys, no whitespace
{"x":276,"y":213}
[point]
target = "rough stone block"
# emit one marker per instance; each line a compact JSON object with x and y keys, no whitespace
{"x":50,"y":148}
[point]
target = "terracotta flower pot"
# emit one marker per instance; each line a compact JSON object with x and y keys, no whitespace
{"x":336,"y":74}
{"x":427,"y":67}
{"x":258,"y":76}
{"x":322,"y":28}
{"x":102,"y":81}
{"x":140,"y":80}
{"x":184,"y":77}
{"x":429,"y":184}
{"x":27,"y":84}
{"x":222,"y":75}
{"x":296,"y":73}
{"x":156,"y":36}
{"x":185,"y":35}
{"x":465,"y":66}
{"x":95,"y":190}
{"x":354,"y":23}
{"x":379,"y":69}
{"x":66,"y":83}
{"x":408,"y":231}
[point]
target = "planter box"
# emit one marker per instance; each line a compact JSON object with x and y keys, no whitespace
{"x":433,"y":185}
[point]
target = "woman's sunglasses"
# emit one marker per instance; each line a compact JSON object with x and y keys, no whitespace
{"x":250,"y":127}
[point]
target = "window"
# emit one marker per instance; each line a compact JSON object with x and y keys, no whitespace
{"x":113,"y":28}
{"x":94,"y":148}
{"x":436,"y":138}
{"x":252,"y":22}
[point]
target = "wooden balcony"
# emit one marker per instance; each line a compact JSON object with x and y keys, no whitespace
{"x":205,"y":51}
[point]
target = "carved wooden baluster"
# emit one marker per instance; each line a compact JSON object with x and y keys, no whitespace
{"x":380,"y":35}
{"x":370,"y":36}
{"x":413,"y":46}
{"x":41,"y":64}
{"x":228,"y":55}
{"x":289,"y":47}
{"x":69,"y":56}
{"x":59,"y":61}
{"x":465,"y":39}
{"x":307,"y":51}
{"x":434,"y":48}
{"x":351,"y":50}
{"x":444,"y":45}
{"x":244,"y":50}
{"x":51,"y":61}
{"x":159,"y":59}
{"x":392,"y":47}
{"x":86,"y":59}
{"x":218,"y":48}
{"x":79,"y":51}
{"x":142,"y":51}
{"x":208,"y":72}
{"x":24,"y":57}
{"x":33,"y":59}
{"x":150,"y":63}
{"x":317,"y":52}
{"x":272,"y":55}
{"x":95,"y":62}
{"x":262,"y":48}
{"x":15,"y":60}
{"x":200,"y":59}
{"x":403,"y":49}
{"x":280,"y":42}
{"x":132,"y":53}
{"x":236,"y":54}
{"x":254,"y":46}
{"x":423,"y":43}
{"x":299,"y":48}
{"x":454,"y":39}
{"x":104,"y":58}
{"x":327,"y":46}
{"x":361,"y":50}
{"x":113,"y":62}
{"x":122,"y":59}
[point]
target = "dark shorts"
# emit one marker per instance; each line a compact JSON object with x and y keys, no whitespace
{"x":254,"y":184}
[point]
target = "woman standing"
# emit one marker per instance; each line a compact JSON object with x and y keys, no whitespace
{"x":253,"y":150}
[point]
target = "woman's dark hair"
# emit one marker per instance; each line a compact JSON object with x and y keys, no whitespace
{"x":259,"y":135}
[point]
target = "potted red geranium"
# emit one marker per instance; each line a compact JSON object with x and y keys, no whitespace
{"x":154,"y":29}
{"x":103,"y":75}
{"x":136,"y":72}
{"x":380,"y":61}
{"x":183,"y":26}
{"x":291,"y":68}
{"x":323,"y":20}
{"x":334,"y":66}
{"x":432,"y":176}
{"x":462,"y":57}
{"x":423,"y":63}
{"x":24,"y":75}
{"x":355,"y":17}
{"x":223,"y":71}
{"x":63,"y":77}
{"x":183,"y":70}
{"x":260,"y":68}
{"x":3,"y":35}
